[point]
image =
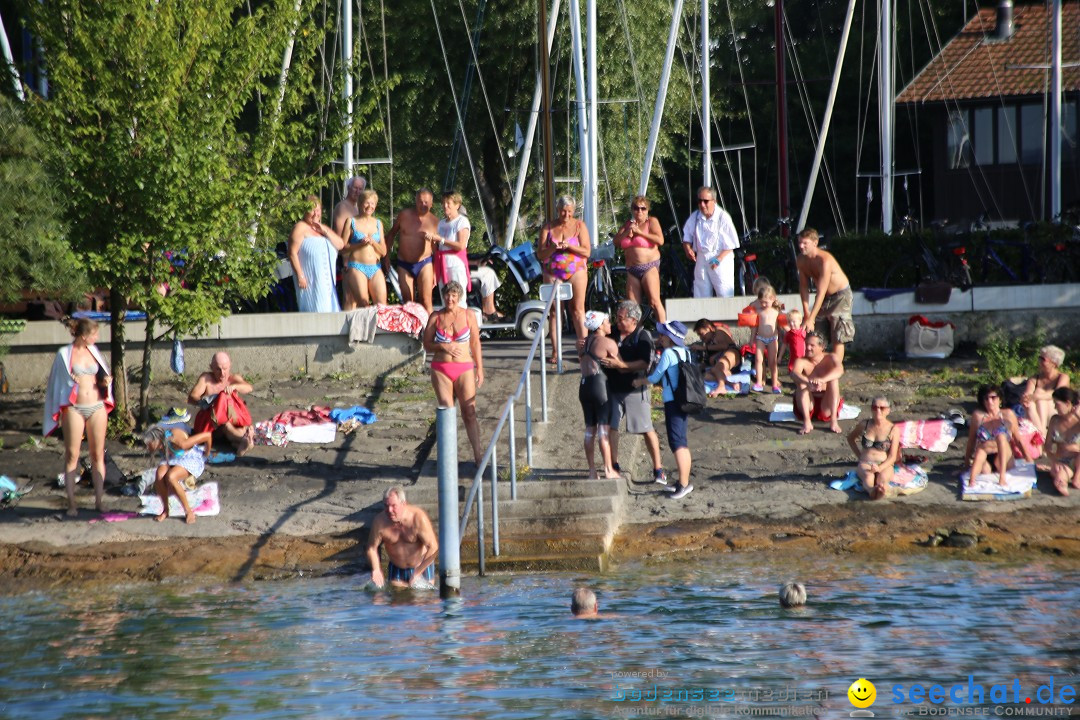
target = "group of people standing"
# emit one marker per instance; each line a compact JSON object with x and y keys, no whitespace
{"x":429,"y":251}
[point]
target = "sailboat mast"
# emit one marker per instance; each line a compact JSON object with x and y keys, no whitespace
{"x":346,"y":61}
{"x":706,"y":119}
{"x":594,"y":127}
{"x":582,"y":109}
{"x":1055,"y":113}
{"x":545,"y":112}
{"x":885,"y":95}
{"x":781,"y":114}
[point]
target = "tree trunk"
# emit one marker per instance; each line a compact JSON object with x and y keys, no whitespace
{"x":144,"y":381}
{"x":118,"y":308}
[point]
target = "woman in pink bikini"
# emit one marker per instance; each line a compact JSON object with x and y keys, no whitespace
{"x":457,"y":368}
{"x":640,"y":240}
{"x":563,"y":250}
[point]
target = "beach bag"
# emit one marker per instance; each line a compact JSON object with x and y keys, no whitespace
{"x":176,"y":361}
{"x":926,"y":339}
{"x":690,"y":392}
{"x":226,"y":408}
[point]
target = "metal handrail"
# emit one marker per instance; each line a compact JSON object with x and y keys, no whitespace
{"x":476,"y":491}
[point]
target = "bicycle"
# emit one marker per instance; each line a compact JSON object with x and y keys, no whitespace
{"x":776,"y":260}
{"x":921,"y":264}
{"x":675,"y":279}
{"x":1060,"y":256}
{"x":600,"y":293}
{"x":993,"y":268}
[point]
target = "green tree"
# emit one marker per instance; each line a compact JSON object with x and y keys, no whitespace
{"x":183,"y":154}
{"x":36,"y":252}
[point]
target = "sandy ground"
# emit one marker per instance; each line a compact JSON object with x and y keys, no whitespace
{"x":304,"y":509}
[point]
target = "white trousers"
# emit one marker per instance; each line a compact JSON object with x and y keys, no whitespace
{"x":489,"y":281}
{"x":719,"y":280}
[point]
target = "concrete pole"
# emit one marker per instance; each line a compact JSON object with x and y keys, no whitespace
{"x":594,"y":133}
{"x":449,"y":542}
{"x":885,"y":100}
{"x":661,"y":98}
{"x":706,"y":116}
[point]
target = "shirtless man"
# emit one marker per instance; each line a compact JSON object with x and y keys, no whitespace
{"x":817,"y":385}
{"x":349,"y":206}
{"x":418,"y":228}
{"x":832,"y":301}
{"x":221,"y":378}
{"x":411,"y":546}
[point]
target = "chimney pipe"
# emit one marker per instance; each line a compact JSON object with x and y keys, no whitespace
{"x":1004,"y":29}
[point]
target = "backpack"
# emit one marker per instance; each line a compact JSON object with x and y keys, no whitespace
{"x":690,"y":392}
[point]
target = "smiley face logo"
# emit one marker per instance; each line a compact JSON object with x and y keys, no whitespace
{"x":862,"y":693}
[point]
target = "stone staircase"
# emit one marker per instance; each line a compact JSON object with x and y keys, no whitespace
{"x":560,"y":520}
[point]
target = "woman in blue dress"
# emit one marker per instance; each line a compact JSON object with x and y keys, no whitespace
{"x":313,"y":251}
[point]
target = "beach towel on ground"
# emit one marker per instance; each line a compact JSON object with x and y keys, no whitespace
{"x":316,"y":415}
{"x":1018,"y":484}
{"x":269,"y":432}
{"x":743,"y":378}
{"x":203,"y":500}
{"x":906,"y":480}
{"x":930,"y":435}
{"x":318,"y":434}
{"x":785,"y":412}
{"x":358,"y":412}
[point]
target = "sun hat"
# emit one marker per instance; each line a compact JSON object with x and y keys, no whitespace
{"x":675,"y":331}
{"x":594,"y":319}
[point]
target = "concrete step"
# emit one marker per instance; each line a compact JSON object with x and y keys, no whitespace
{"x":536,"y":545}
{"x":544,"y":507}
{"x":602,"y":525}
{"x":427,"y":494}
{"x":537,"y":563}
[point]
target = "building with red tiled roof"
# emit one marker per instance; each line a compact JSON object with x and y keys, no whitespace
{"x":986,"y":95}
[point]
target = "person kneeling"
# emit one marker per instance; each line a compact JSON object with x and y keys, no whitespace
{"x":184,"y":455}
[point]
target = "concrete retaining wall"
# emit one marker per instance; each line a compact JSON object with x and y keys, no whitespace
{"x":879,"y":325}
{"x":272,"y":346}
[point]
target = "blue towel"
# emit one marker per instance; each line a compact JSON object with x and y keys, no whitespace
{"x":846,"y":483}
{"x":358,"y":412}
{"x":221,"y":457}
{"x":105,"y":317}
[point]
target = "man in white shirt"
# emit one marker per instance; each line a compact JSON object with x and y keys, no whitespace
{"x":709,"y":240}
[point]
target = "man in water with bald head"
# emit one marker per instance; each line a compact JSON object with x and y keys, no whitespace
{"x":210,"y":384}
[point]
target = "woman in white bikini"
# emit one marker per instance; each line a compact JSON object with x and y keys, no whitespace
{"x":78,"y":400}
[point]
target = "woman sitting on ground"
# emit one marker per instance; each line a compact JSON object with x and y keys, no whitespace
{"x":1062,"y":447}
{"x":184,"y":455}
{"x":1037,"y":401}
{"x":457,"y":368}
{"x":877,"y":445}
{"x":363,"y":252}
{"x":992,"y":430}
{"x":722,"y":357}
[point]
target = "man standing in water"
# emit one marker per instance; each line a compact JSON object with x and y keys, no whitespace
{"x":411,"y":546}
{"x":415,"y":229}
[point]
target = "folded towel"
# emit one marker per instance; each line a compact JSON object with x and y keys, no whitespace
{"x":1018,"y":483}
{"x":785,"y":412}
{"x":361,"y":324}
{"x":930,"y":435}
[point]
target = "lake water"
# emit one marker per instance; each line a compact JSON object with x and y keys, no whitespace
{"x":701,"y":638}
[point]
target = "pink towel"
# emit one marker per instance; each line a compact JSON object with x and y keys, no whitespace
{"x":929,"y":435}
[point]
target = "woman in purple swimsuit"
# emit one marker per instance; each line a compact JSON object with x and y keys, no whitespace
{"x":563,"y":250}
{"x":364,"y":249}
{"x":640,"y":240}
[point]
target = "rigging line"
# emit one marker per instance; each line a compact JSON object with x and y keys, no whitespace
{"x":365,"y":41}
{"x":811,"y":123}
{"x":636,"y":76}
{"x":484,"y":93}
{"x":457,"y":113}
{"x":607,"y":188}
{"x":863,"y":117}
{"x":746,"y":101}
{"x":386,"y":86}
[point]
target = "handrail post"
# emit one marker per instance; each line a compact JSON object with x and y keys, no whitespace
{"x":513,"y":456}
{"x":543,"y":376}
{"x":494,"y":503}
{"x":449,"y":542}
{"x":528,"y":417}
{"x":480,"y":528}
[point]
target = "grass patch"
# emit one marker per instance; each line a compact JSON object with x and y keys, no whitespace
{"x":891,"y":375}
{"x":954,"y":392}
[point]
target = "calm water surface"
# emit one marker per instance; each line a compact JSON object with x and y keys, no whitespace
{"x":710,"y":630}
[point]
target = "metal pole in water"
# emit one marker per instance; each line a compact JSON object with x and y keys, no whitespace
{"x":449,"y":542}
{"x":543,"y":377}
{"x":513,"y":456}
{"x":494,"y":504}
{"x":480,"y":526}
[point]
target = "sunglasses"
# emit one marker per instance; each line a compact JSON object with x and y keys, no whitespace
{"x":992,"y":397}
{"x":705,"y":200}
{"x":882,"y":408}
{"x":639,"y":208}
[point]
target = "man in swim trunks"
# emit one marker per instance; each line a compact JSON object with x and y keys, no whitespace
{"x":416,"y":229}
{"x":832,"y":301}
{"x":220,"y":379}
{"x":817,"y":385}
{"x":411,"y":546}
{"x":349,"y":207}
{"x":709,"y":241}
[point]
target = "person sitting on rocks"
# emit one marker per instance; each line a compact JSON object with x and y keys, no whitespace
{"x":992,"y":430}
{"x":877,"y":445}
{"x":217,"y":388}
{"x":1063,"y":441}
{"x":817,"y":385}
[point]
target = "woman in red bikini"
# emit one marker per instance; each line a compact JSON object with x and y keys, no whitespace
{"x":457,"y":368}
{"x":563,"y":250}
{"x":640,"y":240}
